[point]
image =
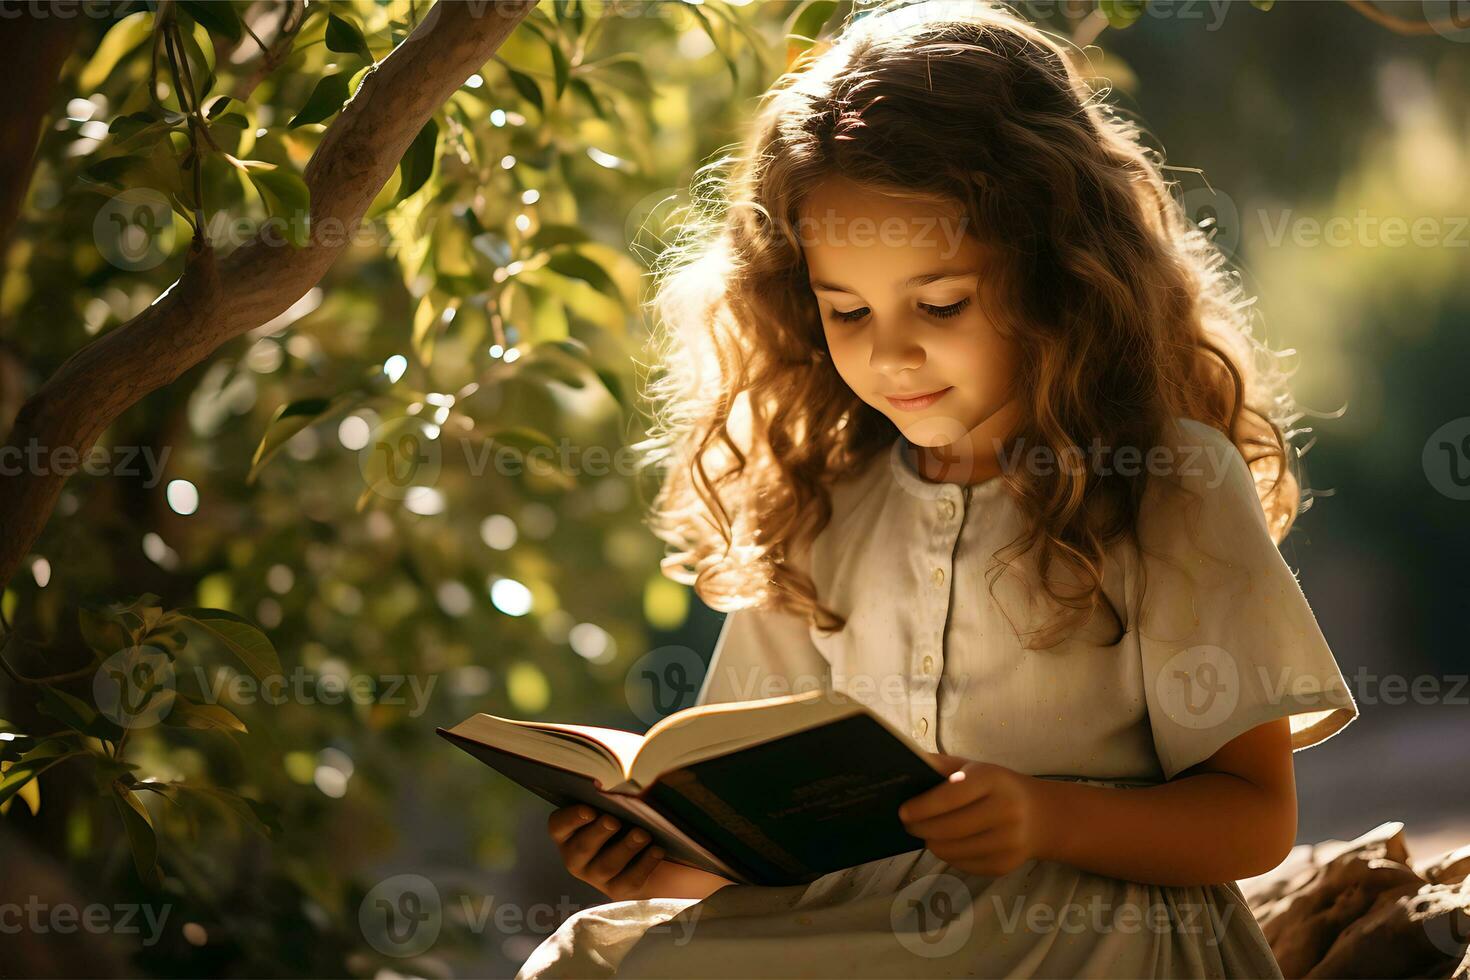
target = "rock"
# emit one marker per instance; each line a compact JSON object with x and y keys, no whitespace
{"x":1360,"y":908}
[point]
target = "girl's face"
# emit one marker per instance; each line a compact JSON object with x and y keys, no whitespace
{"x":897,"y":282}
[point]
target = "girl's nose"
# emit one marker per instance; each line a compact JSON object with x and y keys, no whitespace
{"x":895,"y":349}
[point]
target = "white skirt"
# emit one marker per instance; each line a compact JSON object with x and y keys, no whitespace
{"x":911,"y":916}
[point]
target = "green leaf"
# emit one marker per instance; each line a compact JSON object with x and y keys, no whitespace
{"x":579,"y":266}
{"x":288,"y":198}
{"x":324,"y":102}
{"x":709,"y":30}
{"x":808,"y":21}
{"x":261,"y":817}
{"x":67,"y":708}
{"x":288,"y":420}
{"x":345,"y":36}
{"x":527,"y":87}
{"x":207,"y":717}
{"x":124,"y":36}
{"x":569,"y":15}
{"x":1262,"y":4}
{"x":240,"y":636}
{"x":551,"y":235}
{"x":18,"y":774}
{"x":170,"y":641}
{"x":417,"y":164}
{"x":218,"y":106}
{"x":141,"y":836}
{"x":101,"y":630}
{"x":215,"y":16}
{"x":614,"y":386}
{"x":585,"y":92}
{"x":561,"y":67}
{"x":1121,"y":13}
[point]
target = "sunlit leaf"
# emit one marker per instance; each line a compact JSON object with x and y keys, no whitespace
{"x":217,"y":16}
{"x":141,"y":836}
{"x":288,"y":199}
{"x":124,"y":36}
{"x":324,"y":102}
{"x":209,"y":717}
{"x":527,"y":87}
{"x":288,"y":420}
{"x":418,"y":160}
{"x":345,"y":36}
{"x":240,"y":636}
{"x":579,"y":266}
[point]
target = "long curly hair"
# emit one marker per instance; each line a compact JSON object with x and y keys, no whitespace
{"x":1125,"y":314}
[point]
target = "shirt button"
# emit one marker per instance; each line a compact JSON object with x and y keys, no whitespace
{"x":928,"y":665}
{"x":937,"y":576}
{"x":946,"y":508}
{"x":921,"y":728}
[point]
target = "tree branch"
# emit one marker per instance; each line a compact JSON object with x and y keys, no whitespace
{"x":217,"y":300}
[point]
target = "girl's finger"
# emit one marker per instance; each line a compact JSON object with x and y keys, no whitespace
{"x":565,"y":822}
{"x":635,"y":875}
{"x":616,"y":855}
{"x":585,"y":843}
{"x":965,"y":821}
{"x":961,"y":789}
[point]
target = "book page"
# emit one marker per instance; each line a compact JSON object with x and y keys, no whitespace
{"x":708,"y":731}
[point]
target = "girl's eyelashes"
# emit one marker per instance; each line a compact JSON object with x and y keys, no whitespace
{"x":943,"y":312}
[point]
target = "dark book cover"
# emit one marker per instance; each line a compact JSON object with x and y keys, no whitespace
{"x":783,"y":812}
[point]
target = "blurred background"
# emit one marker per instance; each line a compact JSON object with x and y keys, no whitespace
{"x":243,"y":523}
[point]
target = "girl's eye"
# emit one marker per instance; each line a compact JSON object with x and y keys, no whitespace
{"x":952,"y":309}
{"x":943,"y":312}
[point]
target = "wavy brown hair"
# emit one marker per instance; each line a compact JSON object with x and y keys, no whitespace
{"x":1125,"y":314}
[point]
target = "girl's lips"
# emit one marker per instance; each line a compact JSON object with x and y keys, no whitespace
{"x":922,"y":401}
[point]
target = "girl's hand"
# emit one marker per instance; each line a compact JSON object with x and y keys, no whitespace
{"x":985,"y":819}
{"x":618,"y":865}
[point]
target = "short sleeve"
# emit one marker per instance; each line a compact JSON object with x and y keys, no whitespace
{"x":1226,"y":637}
{"x":762,"y":653}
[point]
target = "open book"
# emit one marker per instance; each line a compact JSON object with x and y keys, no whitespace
{"x":771,"y":792}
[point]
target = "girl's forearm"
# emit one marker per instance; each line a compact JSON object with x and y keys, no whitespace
{"x":672,"y":880}
{"x":1203,"y":829}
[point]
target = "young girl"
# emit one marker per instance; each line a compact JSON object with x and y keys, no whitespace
{"x":964,"y":418}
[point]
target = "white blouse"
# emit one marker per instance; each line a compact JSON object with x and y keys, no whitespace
{"x":1224,"y":642}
